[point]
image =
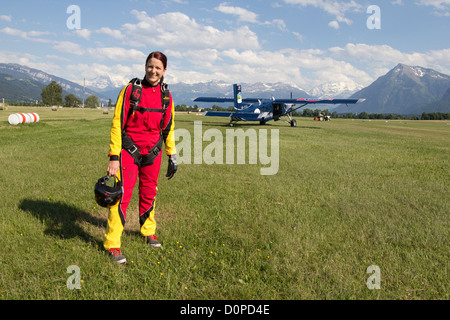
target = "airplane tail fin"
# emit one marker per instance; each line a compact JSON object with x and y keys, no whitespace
{"x":237,"y":96}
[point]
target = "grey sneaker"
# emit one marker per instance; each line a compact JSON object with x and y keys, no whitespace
{"x":153,"y":241}
{"x":116,"y":255}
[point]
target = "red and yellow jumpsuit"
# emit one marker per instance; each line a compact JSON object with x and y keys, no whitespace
{"x":144,"y":128}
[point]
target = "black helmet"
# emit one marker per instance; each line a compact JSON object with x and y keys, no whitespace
{"x":106,"y":195}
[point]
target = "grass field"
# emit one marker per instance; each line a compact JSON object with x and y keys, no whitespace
{"x":347,"y":195}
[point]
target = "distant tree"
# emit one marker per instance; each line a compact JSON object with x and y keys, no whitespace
{"x":363,"y":115}
{"x":217,"y":108}
{"x":435,"y":116}
{"x":92,"y":102}
{"x":351,"y":115}
{"x":307,"y":112}
{"x":71,"y":101}
{"x":52,"y":94}
{"x":316,"y":112}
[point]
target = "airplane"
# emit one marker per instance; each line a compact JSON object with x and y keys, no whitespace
{"x":263,"y":110}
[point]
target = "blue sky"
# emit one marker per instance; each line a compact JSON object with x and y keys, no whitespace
{"x":302,"y":42}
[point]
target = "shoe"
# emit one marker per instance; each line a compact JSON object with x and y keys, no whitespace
{"x":116,"y":255}
{"x":153,"y":241}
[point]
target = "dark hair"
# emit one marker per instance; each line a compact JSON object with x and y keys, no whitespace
{"x":161,"y":57}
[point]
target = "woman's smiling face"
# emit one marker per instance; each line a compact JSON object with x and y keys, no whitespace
{"x":154,"y":70}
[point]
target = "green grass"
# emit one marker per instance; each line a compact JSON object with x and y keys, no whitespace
{"x":348,"y":195}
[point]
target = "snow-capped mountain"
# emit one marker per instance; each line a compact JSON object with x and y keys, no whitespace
{"x":403,"y":90}
{"x":106,"y":83}
{"x":335,"y":90}
{"x":23,"y":72}
{"x":185,"y":93}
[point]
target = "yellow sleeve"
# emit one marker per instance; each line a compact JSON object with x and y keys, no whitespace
{"x":115,"y":144}
{"x":169,"y":134}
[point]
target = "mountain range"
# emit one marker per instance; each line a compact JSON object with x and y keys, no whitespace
{"x":16,"y":77}
{"x":403,"y":90}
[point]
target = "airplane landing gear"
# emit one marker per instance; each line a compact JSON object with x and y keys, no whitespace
{"x":291,"y":121}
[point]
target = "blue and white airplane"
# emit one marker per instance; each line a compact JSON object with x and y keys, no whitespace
{"x":263,"y":110}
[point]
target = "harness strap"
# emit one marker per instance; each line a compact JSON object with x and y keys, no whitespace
{"x":127,"y":143}
{"x":152,"y":154}
{"x":134,"y":151}
{"x":136,"y":92}
{"x":165,"y":97}
{"x":142,"y":109}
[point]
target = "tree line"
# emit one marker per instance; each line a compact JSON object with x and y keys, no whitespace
{"x":373,"y":116}
{"x":309,"y":113}
{"x":52,"y":95}
{"x":195,"y":108}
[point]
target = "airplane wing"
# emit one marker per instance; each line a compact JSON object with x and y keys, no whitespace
{"x":213,"y":99}
{"x":216,"y":99}
{"x":240,"y":115}
{"x":218,"y":113}
{"x":323,"y":101}
{"x":289,"y":101}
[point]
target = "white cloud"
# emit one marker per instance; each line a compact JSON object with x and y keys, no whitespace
{"x":54,"y":57}
{"x":83,"y":33}
{"x":116,"y":34}
{"x":243,"y":14}
{"x":32,"y":61}
{"x":334,"y":24}
{"x":202,"y":59}
{"x":442,"y":6}
{"x":299,"y":36}
{"x":68,"y":47}
{"x":438,"y":4}
{"x":305,"y":68}
{"x":333,"y":7}
{"x":117,"y":53}
{"x":279,"y":23}
{"x":27,"y":35}
{"x":6,"y":18}
{"x":118,"y":73}
{"x":384,"y":56}
{"x":17,"y":57}
{"x":353,"y":64}
{"x":175,"y":30}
